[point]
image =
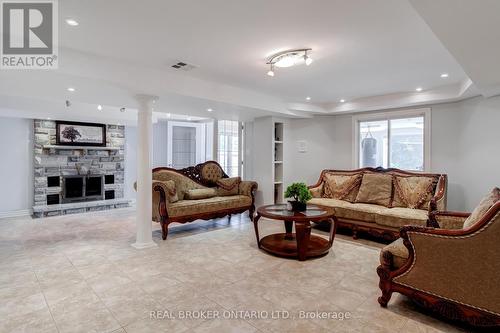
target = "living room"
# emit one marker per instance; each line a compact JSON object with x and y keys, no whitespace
{"x":225,"y":166}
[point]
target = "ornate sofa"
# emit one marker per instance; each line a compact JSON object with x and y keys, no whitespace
{"x":380,"y":201}
{"x":203,"y":192}
{"x":452,"y":271}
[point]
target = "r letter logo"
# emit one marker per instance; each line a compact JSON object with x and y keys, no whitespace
{"x":29,"y":34}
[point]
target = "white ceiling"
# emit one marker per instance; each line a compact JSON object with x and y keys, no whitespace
{"x":361,"y":47}
{"x":373,"y":53}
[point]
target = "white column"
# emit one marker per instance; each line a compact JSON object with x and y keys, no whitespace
{"x":144,"y":203}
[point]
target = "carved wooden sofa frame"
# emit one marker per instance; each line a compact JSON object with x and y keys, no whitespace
{"x":446,"y":307}
{"x":437,"y":202}
{"x":194,"y":173}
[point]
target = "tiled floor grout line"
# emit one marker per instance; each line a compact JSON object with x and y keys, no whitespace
{"x":43,"y":293}
{"x":99,"y":297}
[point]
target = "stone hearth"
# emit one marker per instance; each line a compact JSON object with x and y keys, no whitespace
{"x":52,"y":163}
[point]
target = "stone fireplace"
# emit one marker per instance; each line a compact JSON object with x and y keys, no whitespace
{"x":77,"y":179}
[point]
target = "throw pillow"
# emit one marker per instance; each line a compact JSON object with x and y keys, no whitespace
{"x":200,"y":193}
{"x":317,"y":192}
{"x":375,"y":189}
{"x":228,"y":186}
{"x":171,"y":190}
{"x":413,"y":192}
{"x":486,"y":203}
{"x":341,"y":186}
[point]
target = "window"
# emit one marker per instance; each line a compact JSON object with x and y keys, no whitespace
{"x":228,"y":152}
{"x":393,"y":140}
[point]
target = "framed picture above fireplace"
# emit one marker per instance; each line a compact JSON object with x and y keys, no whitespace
{"x":72,"y":133}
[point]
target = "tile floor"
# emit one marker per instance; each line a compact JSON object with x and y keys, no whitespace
{"x":78,"y":273}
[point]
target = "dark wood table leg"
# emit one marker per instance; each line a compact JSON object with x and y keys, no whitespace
{"x":333,"y":229}
{"x":303,"y":234}
{"x":256,"y":227}
{"x":288,"y":229}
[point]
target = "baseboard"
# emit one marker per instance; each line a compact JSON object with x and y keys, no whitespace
{"x":15,"y":213}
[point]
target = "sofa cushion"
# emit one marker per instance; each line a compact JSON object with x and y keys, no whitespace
{"x":398,"y":216}
{"x":211,"y":172}
{"x":390,"y":217}
{"x":228,"y":186}
{"x":200,"y":193}
{"x":191,"y":207}
{"x":347,"y":210}
{"x":375,"y":189}
{"x":399,"y":253}
{"x":413,"y":191}
{"x":341,"y":186}
{"x":485,"y":204}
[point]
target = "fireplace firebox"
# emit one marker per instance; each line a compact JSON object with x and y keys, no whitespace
{"x":82,"y":188}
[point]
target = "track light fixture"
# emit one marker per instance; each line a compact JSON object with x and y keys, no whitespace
{"x":271,"y":71}
{"x":289,"y":58}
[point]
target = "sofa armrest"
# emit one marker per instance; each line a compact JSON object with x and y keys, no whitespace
{"x":163,"y":194}
{"x":438,"y":201}
{"x":247,"y":188}
{"x":447,"y":219}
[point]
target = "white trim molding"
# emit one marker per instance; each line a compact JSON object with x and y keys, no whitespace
{"x":389,"y":115}
{"x":16,"y":213}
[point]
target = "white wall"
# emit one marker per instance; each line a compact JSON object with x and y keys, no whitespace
{"x":160,"y":147}
{"x":464,"y":144}
{"x":16,"y":167}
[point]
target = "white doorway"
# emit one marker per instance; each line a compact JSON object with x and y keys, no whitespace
{"x":186,"y":144}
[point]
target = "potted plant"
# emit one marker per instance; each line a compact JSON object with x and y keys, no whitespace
{"x":300,"y":193}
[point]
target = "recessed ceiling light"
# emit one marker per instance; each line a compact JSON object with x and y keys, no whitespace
{"x":444,"y":75}
{"x":99,"y":107}
{"x":342,"y":101}
{"x":308,"y":98}
{"x":71,"y":89}
{"x":188,"y":118}
{"x":209,"y":110}
{"x":48,"y":118}
{"x":419,"y":89}
{"x":72,"y":22}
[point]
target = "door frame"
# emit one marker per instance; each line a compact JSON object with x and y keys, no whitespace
{"x":200,"y":140}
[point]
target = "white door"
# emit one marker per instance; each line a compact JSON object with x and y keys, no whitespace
{"x":186,"y":144}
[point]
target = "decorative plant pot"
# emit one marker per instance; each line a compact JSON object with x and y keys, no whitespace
{"x":298,"y":206}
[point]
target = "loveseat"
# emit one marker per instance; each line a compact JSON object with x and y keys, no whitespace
{"x":456,"y":274}
{"x":203,"y":192}
{"x":380,"y":201}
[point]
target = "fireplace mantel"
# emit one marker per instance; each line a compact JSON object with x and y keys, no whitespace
{"x":79,"y":147}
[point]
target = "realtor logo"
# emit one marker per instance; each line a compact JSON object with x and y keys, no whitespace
{"x":29,"y":34}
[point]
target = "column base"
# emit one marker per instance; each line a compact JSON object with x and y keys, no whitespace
{"x":141,"y":246}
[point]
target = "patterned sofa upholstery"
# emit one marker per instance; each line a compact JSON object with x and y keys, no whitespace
{"x":171,"y":188}
{"x":363,"y":203}
{"x":452,"y":270}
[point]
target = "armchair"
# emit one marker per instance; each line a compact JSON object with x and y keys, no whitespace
{"x":452,"y":271}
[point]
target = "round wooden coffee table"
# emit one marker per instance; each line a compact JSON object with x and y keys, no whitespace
{"x":301,"y":244}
